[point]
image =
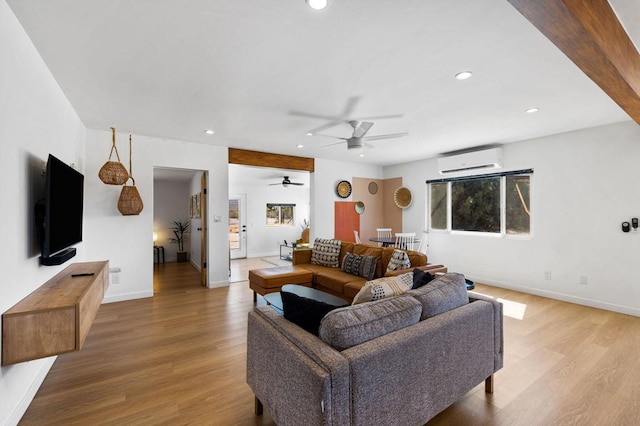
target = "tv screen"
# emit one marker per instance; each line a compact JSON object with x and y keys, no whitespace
{"x":62,"y":211}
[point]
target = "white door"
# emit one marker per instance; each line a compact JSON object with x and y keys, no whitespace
{"x":237,"y":226}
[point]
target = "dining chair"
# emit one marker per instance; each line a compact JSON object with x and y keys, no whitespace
{"x":384,"y":233}
{"x":404,"y":240}
{"x":357,"y":236}
{"x":424,"y":243}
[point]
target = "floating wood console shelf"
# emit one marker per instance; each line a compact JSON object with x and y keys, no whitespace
{"x":56,"y":317}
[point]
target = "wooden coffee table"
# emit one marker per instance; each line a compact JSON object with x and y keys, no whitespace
{"x":275,"y":300}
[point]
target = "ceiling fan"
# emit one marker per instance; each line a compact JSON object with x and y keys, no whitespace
{"x":345,"y":117}
{"x":357,"y":141}
{"x":286,"y":182}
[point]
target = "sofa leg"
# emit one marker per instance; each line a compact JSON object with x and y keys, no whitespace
{"x":255,"y":297}
{"x":488,"y":384}
{"x":258,"y":408}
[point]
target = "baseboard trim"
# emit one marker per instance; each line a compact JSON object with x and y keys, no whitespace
{"x":217,"y":284}
{"x":27,"y":398}
{"x":127,"y":296}
{"x":628,"y":310}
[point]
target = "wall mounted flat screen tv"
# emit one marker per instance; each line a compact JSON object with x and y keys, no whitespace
{"x":59,"y":215}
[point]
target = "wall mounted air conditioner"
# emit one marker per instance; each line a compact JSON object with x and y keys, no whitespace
{"x":471,"y":161}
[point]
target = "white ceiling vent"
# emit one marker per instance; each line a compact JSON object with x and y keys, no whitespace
{"x":471,"y":161}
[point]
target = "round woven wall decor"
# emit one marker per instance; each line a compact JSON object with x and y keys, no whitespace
{"x":403,"y":197}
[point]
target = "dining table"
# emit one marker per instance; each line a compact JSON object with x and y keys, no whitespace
{"x":389,"y":242}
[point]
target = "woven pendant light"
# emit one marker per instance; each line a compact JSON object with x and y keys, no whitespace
{"x":130,"y":202}
{"x":113,"y":172}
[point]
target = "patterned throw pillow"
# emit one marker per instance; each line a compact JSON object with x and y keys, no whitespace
{"x":326,"y":252}
{"x":399,"y":260}
{"x":384,"y":287}
{"x":362,"y":266}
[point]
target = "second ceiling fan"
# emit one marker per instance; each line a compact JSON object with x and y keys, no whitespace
{"x":358,"y":140}
{"x":286,"y":182}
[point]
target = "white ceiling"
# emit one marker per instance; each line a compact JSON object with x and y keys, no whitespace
{"x":173,"y":68}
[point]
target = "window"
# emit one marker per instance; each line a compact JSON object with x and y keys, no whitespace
{"x":497,"y":203}
{"x":280,"y":214}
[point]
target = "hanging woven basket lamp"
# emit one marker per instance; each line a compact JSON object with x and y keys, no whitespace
{"x":113,"y":172}
{"x":130,"y":202}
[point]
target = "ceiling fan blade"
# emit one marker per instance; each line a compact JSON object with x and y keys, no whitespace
{"x":362,"y":129}
{"x":333,"y":144}
{"x":351,"y":105}
{"x":379,"y":117}
{"x":310,"y":115}
{"x":296,"y":183}
{"x":273,"y":184}
{"x":329,"y":136}
{"x":329,"y":125}
{"x":389,"y":136}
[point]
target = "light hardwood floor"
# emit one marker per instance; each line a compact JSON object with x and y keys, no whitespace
{"x":179,"y":358}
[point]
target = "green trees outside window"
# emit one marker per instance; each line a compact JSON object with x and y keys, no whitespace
{"x":495,"y":204}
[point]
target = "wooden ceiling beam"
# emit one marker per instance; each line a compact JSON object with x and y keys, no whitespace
{"x":590,"y":34}
{"x":267,"y":159}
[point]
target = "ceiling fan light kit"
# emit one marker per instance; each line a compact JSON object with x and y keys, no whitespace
{"x":317,"y":4}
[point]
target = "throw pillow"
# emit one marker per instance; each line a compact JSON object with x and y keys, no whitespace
{"x":304,"y":312}
{"x":420,"y":278}
{"x":384,"y":287}
{"x":353,"y":325}
{"x":399,"y":260}
{"x":362,"y":266}
{"x":446,"y":292}
{"x":326,"y":252}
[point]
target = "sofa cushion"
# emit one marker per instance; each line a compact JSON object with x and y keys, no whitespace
{"x":420,"y":278}
{"x":304,"y":312}
{"x":444,"y":293}
{"x":362,"y":266}
{"x":346,"y":327}
{"x":399,"y":260}
{"x":384,"y":287}
{"x":326,"y":252}
{"x":366,"y":250}
{"x":334,"y":279}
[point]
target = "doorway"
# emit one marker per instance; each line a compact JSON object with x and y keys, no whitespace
{"x":237,"y":226}
{"x":179,"y":195}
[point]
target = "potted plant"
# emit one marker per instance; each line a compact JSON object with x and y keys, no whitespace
{"x":180,"y":235}
{"x":305,"y":231}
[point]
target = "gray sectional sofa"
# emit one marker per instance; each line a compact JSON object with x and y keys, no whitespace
{"x":395,"y":361}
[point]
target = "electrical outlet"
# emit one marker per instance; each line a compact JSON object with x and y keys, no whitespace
{"x":115,"y":278}
{"x":584,"y":280}
{"x":547,"y":275}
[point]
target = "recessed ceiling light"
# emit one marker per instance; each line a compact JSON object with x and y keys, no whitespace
{"x":209,"y":131}
{"x":362,"y":155}
{"x":463,"y":75}
{"x":317,"y":4}
{"x":309,"y":134}
{"x":531,"y":110}
{"x":299,"y":146}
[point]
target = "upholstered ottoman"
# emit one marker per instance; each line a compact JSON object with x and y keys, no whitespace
{"x":269,"y":280}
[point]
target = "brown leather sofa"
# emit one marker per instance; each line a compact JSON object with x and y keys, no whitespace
{"x":333,"y":280}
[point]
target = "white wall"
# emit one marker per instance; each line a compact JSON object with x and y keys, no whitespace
{"x":35,"y":119}
{"x":170,"y":203}
{"x":585,"y":184}
{"x":263,"y":240}
{"x":124,"y":240}
{"x":326,"y":176}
